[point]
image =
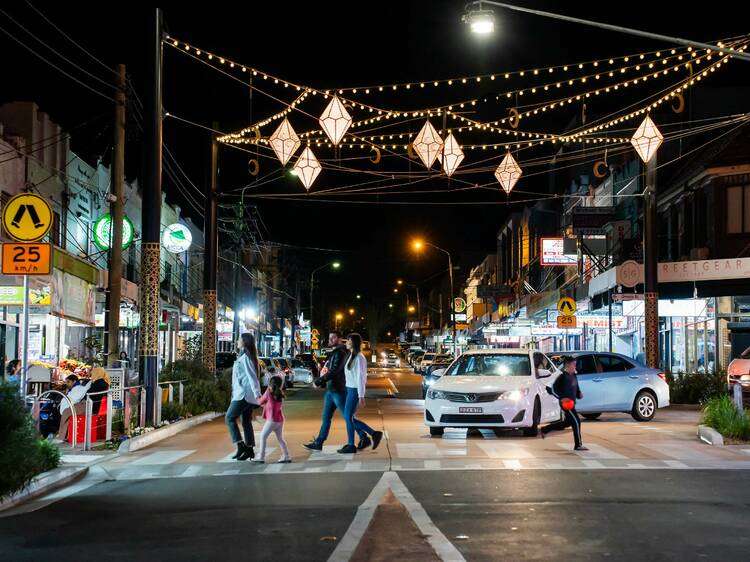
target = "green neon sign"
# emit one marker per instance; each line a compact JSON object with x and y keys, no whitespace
{"x":103,"y":232}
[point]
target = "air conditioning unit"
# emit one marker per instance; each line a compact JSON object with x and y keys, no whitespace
{"x":698,"y":254}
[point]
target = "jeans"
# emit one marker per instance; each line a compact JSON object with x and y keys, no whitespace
{"x":331,"y":401}
{"x":278,"y":429}
{"x":352,"y":423}
{"x":572,"y":420}
{"x":237,"y":409}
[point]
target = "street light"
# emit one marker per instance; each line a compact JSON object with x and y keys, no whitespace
{"x":334,"y":265}
{"x":395,"y":290}
{"x":351,"y":311}
{"x":339,"y":317}
{"x":359,"y":297}
{"x":390,"y":305}
{"x":399,"y":282}
{"x":412,"y":308}
{"x":481,"y":22}
{"x":418,"y":245}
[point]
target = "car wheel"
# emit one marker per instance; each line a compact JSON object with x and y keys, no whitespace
{"x":644,"y":406}
{"x":436,"y":431}
{"x":592,"y":416}
{"x":537,"y":416}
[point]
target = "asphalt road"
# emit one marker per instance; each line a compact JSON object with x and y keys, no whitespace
{"x":645,"y":491}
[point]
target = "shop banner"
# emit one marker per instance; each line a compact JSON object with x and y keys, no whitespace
{"x":73,"y":298}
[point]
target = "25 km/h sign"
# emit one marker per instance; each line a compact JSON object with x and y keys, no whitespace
{"x":27,"y":217}
{"x":27,"y":259}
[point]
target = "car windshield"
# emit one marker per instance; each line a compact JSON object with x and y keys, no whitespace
{"x":505,"y":365}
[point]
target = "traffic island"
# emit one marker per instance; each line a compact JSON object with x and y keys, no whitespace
{"x":154,"y":436}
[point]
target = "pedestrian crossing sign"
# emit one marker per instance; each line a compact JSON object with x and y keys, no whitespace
{"x":27,"y":217}
{"x":566,"y":306}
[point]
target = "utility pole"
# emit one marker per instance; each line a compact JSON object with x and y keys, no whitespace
{"x":211,"y":263}
{"x":650,"y":266}
{"x":114,"y":291}
{"x":452,"y":304}
{"x":151,"y":222}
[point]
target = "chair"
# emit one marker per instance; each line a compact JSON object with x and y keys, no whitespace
{"x":98,"y":424}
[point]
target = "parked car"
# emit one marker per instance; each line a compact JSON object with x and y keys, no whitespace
{"x":430,"y":358}
{"x":280,"y":367}
{"x":301,"y":373}
{"x":225,"y":359}
{"x":493,"y":388}
{"x":738,"y":372}
{"x":309,"y":361}
{"x":414,"y":355}
{"x":431,"y":376}
{"x":611,"y":382}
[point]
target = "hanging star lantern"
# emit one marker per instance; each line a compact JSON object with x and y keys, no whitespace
{"x":451,"y":156}
{"x":647,"y":139}
{"x":428,"y":144}
{"x":335,"y":120}
{"x":508,"y":173}
{"x":284,"y":141}
{"x":307,"y":168}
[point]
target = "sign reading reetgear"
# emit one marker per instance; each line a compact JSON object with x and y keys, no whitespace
{"x":27,"y":217}
{"x":103,"y":232}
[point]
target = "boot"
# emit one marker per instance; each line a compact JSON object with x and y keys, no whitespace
{"x":247,"y":453}
{"x":240,"y":449}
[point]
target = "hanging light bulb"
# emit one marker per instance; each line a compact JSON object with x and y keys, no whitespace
{"x":508,"y":173}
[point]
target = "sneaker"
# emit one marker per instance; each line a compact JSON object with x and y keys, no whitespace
{"x":313,"y":445}
{"x":376,"y":437}
{"x":283,"y":461}
{"x":580,"y":448}
{"x":347,"y":449}
{"x":258,"y":461}
{"x":364,"y":442}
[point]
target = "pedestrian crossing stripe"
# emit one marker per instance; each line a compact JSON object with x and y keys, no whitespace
{"x":27,"y":217}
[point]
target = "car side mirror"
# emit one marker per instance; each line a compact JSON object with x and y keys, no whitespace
{"x":543,"y":374}
{"x":438,"y":372}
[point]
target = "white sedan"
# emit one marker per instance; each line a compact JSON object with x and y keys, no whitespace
{"x":493,"y":388}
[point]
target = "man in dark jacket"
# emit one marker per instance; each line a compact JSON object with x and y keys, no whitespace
{"x":331,"y":377}
{"x":566,"y":386}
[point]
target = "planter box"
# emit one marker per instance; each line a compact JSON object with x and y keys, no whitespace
{"x":157,"y":435}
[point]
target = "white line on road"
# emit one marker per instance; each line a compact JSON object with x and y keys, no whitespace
{"x":275,"y":467}
{"x":232,"y":472}
{"x":595,"y":452}
{"x":191,"y":470}
{"x":162,"y":457}
{"x":514,"y":464}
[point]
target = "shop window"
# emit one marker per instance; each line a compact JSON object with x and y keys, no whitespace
{"x":585,"y":365}
{"x":738,"y":209}
{"x":612,"y":364}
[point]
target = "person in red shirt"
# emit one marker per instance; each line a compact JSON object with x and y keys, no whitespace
{"x":271,"y":402}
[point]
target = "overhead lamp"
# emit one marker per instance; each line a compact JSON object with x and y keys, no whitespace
{"x":481,"y":22}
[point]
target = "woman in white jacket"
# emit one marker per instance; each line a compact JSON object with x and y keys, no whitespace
{"x":355,"y":370}
{"x":245,"y":397}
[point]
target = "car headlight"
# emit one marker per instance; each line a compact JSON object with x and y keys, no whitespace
{"x":428,"y":381}
{"x":514,"y":395}
{"x":398,"y":362}
{"x":435,"y":395}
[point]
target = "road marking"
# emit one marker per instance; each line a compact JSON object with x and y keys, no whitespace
{"x":232,"y":472}
{"x":432,"y":465}
{"x":365,"y":512}
{"x":191,"y":470}
{"x":592,"y":464}
{"x":595,"y":452}
{"x":675,"y":464}
{"x":162,"y":457}
{"x":353,"y":466}
{"x":505,"y":451}
{"x":513,"y":464}
{"x":692,"y":451}
{"x":417,"y":450}
{"x":275,"y":467}
{"x":79,"y":459}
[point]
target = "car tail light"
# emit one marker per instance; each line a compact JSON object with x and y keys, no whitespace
{"x":662,"y":376}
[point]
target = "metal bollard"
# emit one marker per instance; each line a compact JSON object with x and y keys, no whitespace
{"x":126,"y":410}
{"x":108,"y":435}
{"x":87,"y":425}
{"x":737,"y":395}
{"x":182,"y":388}
{"x":170,"y":393}
{"x":142,"y":417}
{"x":157,"y":414}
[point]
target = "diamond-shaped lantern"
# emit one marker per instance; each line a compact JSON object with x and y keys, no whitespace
{"x":451,"y":156}
{"x":284,"y":141}
{"x":335,"y":120}
{"x":508,"y":173}
{"x":307,"y":167}
{"x":428,"y":144}
{"x":647,"y":139}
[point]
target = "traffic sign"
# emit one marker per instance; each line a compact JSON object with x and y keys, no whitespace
{"x":459,"y":304}
{"x":566,"y":321}
{"x":27,"y":259}
{"x":566,"y":306}
{"x":27,"y":217}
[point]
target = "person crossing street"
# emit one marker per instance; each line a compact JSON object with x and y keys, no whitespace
{"x":567,"y":391}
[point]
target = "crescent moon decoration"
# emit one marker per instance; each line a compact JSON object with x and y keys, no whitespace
{"x":253,"y":167}
{"x":257,"y":135}
{"x":515,"y":117}
{"x":598,"y":169}
{"x":680,"y":103}
{"x":583,"y":114}
{"x":375,"y":159}
{"x":410,"y":152}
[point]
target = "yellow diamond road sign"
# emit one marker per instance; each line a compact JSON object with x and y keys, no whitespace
{"x":566,"y":306}
{"x":27,"y":217}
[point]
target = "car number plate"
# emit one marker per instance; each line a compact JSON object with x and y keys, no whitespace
{"x":467,"y":410}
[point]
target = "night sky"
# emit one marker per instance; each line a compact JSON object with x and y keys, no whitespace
{"x":331,"y":44}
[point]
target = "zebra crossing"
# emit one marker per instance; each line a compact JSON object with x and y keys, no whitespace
{"x":437,"y":455}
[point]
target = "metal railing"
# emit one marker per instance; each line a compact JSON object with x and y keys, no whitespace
{"x":170,"y":395}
